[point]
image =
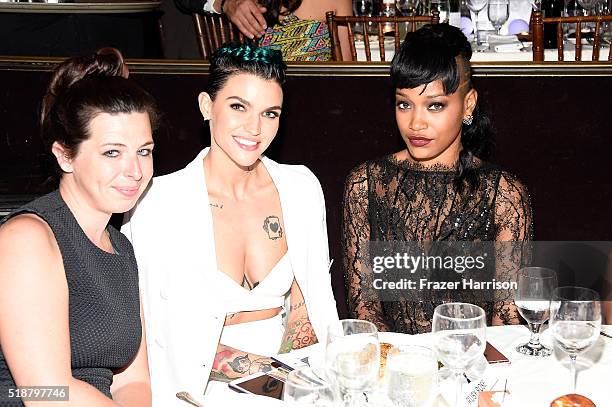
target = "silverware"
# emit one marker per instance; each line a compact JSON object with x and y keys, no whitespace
{"x":186,"y":397}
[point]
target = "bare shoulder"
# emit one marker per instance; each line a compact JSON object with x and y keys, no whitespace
{"x":27,"y":243}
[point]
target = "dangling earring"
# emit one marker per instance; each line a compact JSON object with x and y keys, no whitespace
{"x":467,"y":120}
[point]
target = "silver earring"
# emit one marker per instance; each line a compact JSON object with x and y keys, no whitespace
{"x":467,"y":120}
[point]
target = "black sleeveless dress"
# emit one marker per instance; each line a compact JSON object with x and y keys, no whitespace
{"x":104,"y":306}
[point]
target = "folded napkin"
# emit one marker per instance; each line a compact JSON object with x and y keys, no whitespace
{"x":504,"y":43}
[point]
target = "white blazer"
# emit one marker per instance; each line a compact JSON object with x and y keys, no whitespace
{"x":172,"y":233}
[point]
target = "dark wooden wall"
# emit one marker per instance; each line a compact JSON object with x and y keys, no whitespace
{"x":553,"y":132}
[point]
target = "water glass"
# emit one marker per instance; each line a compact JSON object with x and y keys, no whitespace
{"x":352,"y":355}
{"x":459,"y":339}
{"x":364,"y":8}
{"x":498,"y":12}
{"x":575,"y":322}
{"x":534,"y":291}
{"x":411,"y":375}
{"x":304,"y":387}
{"x":407,"y":7}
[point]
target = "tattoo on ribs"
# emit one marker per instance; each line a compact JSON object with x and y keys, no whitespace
{"x":273,"y":228}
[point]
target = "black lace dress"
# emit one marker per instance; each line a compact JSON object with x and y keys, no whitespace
{"x":389,"y":200}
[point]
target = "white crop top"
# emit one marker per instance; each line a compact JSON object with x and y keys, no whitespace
{"x":269,"y":293}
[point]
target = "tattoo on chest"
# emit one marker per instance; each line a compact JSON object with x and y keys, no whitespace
{"x":273,"y":228}
{"x":216,"y":205}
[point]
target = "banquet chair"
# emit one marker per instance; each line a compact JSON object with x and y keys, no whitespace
{"x":576,"y":22}
{"x":333,"y":21}
{"x":212,"y":31}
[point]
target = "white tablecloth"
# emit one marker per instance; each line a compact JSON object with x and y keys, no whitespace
{"x":550,"y":55}
{"x":532,"y":382}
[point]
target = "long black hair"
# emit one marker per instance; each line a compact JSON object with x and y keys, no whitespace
{"x":442,"y":52}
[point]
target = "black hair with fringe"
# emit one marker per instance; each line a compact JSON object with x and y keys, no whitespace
{"x":442,"y":52}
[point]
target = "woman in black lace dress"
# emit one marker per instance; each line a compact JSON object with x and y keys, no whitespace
{"x":438,"y":188}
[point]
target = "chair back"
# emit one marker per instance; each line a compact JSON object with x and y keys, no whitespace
{"x":212,"y":31}
{"x":578,"y":22}
{"x":333,"y":21}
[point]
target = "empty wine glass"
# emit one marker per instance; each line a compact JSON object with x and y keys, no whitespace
{"x":353,"y":356}
{"x":304,"y":387}
{"x":588,"y":6}
{"x":443,"y":7}
{"x":498,"y":12}
{"x":459,"y":339}
{"x":363,"y":8}
{"x":475,"y":7}
{"x":532,"y":299}
{"x":575,"y":322}
{"x":407,"y":7}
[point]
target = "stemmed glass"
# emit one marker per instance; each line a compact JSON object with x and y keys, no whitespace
{"x":532,"y":299}
{"x":304,"y":387}
{"x":443,"y":7}
{"x":363,"y":8}
{"x":459,"y":339}
{"x":475,"y":7}
{"x":575,"y":322}
{"x":353,"y":356}
{"x":498,"y":12}
{"x":407,"y":7}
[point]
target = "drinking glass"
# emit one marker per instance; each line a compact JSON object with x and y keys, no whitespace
{"x":353,"y":356}
{"x":532,"y":299}
{"x":443,"y":7}
{"x":407,"y":7}
{"x":588,"y":6}
{"x":459,"y":339}
{"x":498,"y":12}
{"x":363,"y":8}
{"x":411,"y":375}
{"x":475,"y":7}
{"x":304,"y":387}
{"x":575,"y":322}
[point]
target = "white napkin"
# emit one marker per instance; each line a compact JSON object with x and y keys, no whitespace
{"x":504,"y":43}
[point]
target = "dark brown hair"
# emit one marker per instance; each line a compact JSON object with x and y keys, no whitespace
{"x":273,"y":9}
{"x":83,"y":87}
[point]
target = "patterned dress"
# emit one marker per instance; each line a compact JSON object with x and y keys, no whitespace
{"x":299,"y":40}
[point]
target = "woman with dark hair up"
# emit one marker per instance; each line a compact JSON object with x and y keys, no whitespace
{"x":232,"y":249}
{"x":437,"y":189}
{"x":70,"y":311}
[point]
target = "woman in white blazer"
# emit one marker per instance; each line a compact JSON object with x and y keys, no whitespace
{"x":232,"y":249}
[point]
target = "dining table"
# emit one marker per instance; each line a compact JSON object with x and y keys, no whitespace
{"x":528,"y":381}
{"x":486,"y":53}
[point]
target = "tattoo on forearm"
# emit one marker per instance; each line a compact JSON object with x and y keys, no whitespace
{"x":299,"y":334}
{"x":272,"y":227}
{"x":299,"y":305}
{"x":229,"y":365}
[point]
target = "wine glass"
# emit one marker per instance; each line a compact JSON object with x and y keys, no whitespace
{"x":498,"y":12}
{"x":353,"y":356}
{"x":304,"y":387}
{"x":459,"y":339}
{"x":575,"y":322}
{"x":407,"y":7}
{"x":533,"y":294}
{"x":363,"y":8}
{"x":475,"y":7}
{"x":411,"y":375}
{"x":443,"y":7}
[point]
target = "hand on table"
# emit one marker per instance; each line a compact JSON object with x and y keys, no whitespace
{"x":247,"y":15}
